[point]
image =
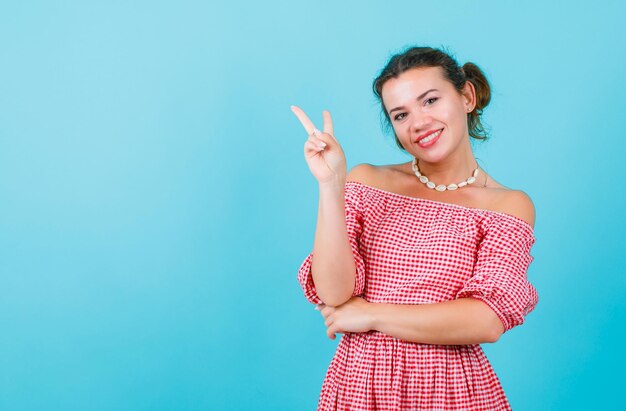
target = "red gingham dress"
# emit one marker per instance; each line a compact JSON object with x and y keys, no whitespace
{"x":411,"y":250}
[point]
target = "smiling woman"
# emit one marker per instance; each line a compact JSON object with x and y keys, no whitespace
{"x":417,"y":274}
{"x":469,"y":75}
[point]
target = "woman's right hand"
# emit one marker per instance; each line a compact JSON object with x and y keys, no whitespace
{"x":322,"y":152}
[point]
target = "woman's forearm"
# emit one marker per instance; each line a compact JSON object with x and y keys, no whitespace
{"x":456,"y":322}
{"x":332,"y":266}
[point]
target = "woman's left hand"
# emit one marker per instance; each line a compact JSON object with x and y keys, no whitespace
{"x":353,"y":316}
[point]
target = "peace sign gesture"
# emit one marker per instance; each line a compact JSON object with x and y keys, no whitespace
{"x":322,"y":152}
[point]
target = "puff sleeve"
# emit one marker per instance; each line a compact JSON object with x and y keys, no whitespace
{"x":499,"y":277}
{"x":354,"y":201}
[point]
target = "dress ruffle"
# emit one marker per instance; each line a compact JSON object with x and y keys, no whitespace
{"x":499,"y":278}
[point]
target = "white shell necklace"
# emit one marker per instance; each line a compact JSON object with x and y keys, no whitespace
{"x":442,"y":187}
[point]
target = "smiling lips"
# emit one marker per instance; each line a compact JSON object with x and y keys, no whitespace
{"x":429,"y":138}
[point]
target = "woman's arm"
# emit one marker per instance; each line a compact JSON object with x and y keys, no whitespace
{"x":332,"y":266}
{"x":461,"y":321}
{"x":455,"y":322}
{"x":333,"y":269}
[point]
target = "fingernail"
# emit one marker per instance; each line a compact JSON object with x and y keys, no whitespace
{"x":316,"y":132}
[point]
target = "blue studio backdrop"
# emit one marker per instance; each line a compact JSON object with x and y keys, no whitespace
{"x":155,"y":204}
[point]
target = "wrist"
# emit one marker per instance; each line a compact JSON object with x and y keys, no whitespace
{"x":333,"y":183}
{"x":373,"y":314}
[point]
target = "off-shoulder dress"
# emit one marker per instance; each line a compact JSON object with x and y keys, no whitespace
{"x":411,"y":250}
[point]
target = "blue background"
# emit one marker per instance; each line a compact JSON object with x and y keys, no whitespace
{"x":155,"y":204}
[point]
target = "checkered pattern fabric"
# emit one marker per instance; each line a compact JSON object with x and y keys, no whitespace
{"x":417,"y":251}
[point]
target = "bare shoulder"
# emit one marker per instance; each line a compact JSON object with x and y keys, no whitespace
{"x":363,"y":173}
{"x":518,"y":204}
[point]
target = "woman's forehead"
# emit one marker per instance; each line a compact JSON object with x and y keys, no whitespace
{"x":413,"y":83}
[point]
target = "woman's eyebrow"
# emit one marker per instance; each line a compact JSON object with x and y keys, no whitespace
{"x":419,"y":98}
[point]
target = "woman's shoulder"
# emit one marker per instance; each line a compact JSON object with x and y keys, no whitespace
{"x":370,"y":174}
{"x":516,"y":203}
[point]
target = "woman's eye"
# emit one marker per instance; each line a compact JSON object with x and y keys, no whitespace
{"x":432,"y":98}
{"x":397,"y":117}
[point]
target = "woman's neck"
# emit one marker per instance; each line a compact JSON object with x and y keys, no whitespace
{"x":457,"y":167}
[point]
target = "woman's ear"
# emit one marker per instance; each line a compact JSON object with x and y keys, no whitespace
{"x":469,"y":96}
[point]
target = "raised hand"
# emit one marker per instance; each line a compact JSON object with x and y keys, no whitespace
{"x":322,"y":152}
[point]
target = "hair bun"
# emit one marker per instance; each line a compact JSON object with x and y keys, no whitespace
{"x":474,"y":74}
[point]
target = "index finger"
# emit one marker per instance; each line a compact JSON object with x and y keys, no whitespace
{"x":326,"y":311}
{"x":304,"y":119}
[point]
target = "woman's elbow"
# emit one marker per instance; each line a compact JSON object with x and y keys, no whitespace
{"x":490,"y":324}
{"x":335,"y":299}
{"x":337,"y":292}
{"x":495,"y":330}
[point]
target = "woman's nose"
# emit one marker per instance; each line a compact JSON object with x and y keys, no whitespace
{"x":420,"y":122}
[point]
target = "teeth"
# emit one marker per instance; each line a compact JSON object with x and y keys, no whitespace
{"x":430,"y":137}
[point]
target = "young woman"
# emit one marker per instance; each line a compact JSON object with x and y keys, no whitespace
{"x":418,"y":263}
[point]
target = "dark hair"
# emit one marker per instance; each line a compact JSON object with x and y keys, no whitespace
{"x":416,"y":57}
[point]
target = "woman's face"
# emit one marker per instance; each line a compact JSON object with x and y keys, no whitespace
{"x":420,"y":102}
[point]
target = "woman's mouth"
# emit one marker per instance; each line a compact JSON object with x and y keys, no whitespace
{"x":430,"y":140}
